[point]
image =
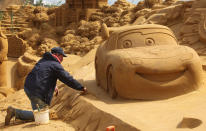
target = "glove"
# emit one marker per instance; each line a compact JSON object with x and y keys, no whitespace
{"x":84,"y":92}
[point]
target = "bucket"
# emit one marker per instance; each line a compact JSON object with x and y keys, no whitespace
{"x":41,"y":117}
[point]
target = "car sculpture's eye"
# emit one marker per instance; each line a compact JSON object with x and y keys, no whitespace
{"x":127,"y":44}
{"x":150,"y":42}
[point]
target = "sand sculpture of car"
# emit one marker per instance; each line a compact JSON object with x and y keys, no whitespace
{"x":145,"y":62}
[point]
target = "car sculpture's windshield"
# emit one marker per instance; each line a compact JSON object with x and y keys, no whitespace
{"x":133,"y":38}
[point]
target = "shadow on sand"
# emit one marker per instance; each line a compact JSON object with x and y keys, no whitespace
{"x":99,"y":94}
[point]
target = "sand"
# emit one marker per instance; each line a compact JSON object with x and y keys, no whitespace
{"x":147,"y":115}
{"x":20,"y":100}
{"x":162,"y":115}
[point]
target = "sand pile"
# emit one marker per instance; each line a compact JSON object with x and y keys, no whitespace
{"x":118,"y":14}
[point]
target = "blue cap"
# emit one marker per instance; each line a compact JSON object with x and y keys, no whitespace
{"x":58,"y":50}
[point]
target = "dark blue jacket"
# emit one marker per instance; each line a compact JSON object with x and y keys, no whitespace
{"x":41,"y":81}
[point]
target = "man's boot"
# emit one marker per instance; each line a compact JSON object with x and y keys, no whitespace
{"x":10,"y":114}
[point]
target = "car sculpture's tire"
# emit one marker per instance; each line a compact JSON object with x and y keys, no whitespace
{"x":110,"y":83}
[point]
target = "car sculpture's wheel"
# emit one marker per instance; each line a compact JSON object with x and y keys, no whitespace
{"x":110,"y":83}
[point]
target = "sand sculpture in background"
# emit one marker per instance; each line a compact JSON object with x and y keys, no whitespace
{"x":149,"y":64}
{"x":78,"y":10}
{"x":17,"y":46}
{"x":24,"y":65}
{"x":3,"y":58}
{"x":202,"y":28}
{"x":150,"y":3}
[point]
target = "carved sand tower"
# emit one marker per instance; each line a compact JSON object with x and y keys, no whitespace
{"x":76,"y":10}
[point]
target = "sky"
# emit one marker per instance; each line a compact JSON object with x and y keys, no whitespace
{"x":63,"y":1}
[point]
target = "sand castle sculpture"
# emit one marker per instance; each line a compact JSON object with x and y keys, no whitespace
{"x":149,"y":63}
{"x":76,"y":10}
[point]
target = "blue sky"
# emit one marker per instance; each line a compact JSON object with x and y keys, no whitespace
{"x":63,"y":1}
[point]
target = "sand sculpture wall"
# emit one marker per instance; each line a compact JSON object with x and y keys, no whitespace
{"x":17,"y":46}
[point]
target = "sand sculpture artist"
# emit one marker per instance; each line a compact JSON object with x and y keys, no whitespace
{"x":41,"y":82}
{"x":145,"y":62}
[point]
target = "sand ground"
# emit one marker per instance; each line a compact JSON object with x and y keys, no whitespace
{"x":185,"y":112}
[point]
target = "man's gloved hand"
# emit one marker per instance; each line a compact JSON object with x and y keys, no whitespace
{"x":84,"y":91}
{"x":56,"y":91}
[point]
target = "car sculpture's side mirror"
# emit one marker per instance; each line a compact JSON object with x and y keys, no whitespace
{"x":104,"y":31}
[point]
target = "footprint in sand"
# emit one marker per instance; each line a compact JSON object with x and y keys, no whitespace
{"x":189,"y":123}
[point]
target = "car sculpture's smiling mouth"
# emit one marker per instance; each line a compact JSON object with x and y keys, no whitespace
{"x":159,"y":64}
{"x":161,"y":77}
